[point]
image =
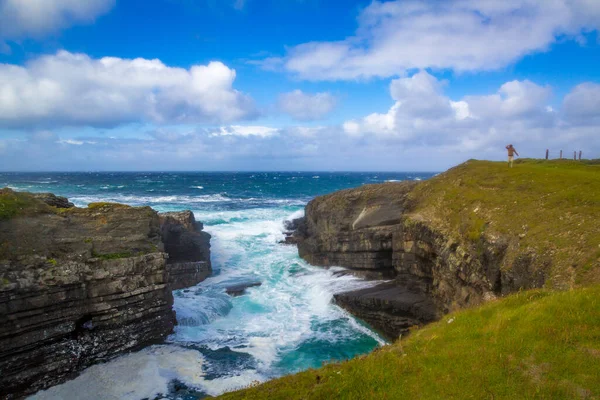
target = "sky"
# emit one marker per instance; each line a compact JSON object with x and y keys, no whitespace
{"x":294,"y":85}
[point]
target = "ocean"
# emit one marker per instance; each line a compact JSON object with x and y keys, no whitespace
{"x":223,"y":343}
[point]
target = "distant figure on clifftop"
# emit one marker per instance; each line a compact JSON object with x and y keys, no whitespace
{"x":511,"y":154}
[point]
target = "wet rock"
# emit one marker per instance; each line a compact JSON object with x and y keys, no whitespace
{"x":294,"y":229}
{"x":240,"y":289}
{"x":389,"y":308}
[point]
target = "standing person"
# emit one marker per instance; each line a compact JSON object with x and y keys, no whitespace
{"x":511,"y":154}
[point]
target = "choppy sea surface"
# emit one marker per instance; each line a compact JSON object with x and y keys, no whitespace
{"x":223,"y":343}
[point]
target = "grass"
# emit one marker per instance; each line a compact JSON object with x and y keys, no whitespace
{"x":15,"y":204}
{"x":536,"y":344}
{"x":540,"y":344}
{"x":113,"y":256}
{"x":552,"y":207}
{"x":104,"y":204}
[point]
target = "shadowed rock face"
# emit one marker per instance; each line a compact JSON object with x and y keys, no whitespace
{"x":389,"y":307}
{"x":188,"y":248}
{"x":78,"y":286}
{"x":52,"y":200}
{"x":373,"y":228}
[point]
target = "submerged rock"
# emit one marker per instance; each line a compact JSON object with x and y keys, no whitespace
{"x":240,"y":289}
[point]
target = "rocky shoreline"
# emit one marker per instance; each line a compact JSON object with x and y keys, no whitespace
{"x":374,"y":231}
{"x":80,"y":286}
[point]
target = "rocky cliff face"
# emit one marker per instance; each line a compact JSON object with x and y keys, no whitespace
{"x":81,"y":285}
{"x":188,"y":247}
{"x":376,"y":228}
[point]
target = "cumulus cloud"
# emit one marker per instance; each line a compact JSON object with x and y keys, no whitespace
{"x":422,"y":114}
{"x":464,"y":35}
{"x":35,"y":18}
{"x":307,"y":107}
{"x":75,"y":89}
{"x":582,"y":105}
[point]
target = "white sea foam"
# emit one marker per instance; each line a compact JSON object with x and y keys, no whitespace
{"x":295,"y":215}
{"x":145,"y":374}
{"x":272,"y":320}
{"x":269,"y":323}
{"x":197,"y":187}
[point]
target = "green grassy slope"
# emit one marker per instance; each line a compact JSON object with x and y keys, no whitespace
{"x":14,"y":204}
{"x":533,"y":345}
{"x":550,"y":207}
{"x":540,"y":344}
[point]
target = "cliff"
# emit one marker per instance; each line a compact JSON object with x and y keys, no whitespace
{"x":79,"y":286}
{"x":473,"y":233}
{"x":188,"y":247}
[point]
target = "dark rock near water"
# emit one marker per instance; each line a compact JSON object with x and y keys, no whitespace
{"x":294,"y":229}
{"x":82,"y":285}
{"x":240,"y":289}
{"x":53,"y":200}
{"x":390,"y":308}
{"x":375,"y":228}
{"x":78,"y":287}
{"x":188,"y":248}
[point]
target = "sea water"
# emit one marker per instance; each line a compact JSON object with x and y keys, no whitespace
{"x":223,"y":343}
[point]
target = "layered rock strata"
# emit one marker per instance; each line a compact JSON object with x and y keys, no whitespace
{"x":188,"y":247}
{"x":373,"y":228}
{"x":81,"y":285}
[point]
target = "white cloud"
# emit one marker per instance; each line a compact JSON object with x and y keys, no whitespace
{"x":245,"y":131}
{"x":422,"y":113}
{"x":307,"y":107}
{"x":75,"y":142}
{"x":74,"y":89}
{"x":420,"y":107}
{"x":464,"y":35}
{"x":582,"y":104}
{"x":35,"y":18}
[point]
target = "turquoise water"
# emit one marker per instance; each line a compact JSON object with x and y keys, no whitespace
{"x":222,"y":343}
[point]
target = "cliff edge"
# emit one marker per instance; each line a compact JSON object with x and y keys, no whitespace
{"x":476,"y":232}
{"x":81,"y":285}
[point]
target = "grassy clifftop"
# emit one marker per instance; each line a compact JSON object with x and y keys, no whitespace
{"x":539,"y":344}
{"x":533,"y":345}
{"x":551,"y":208}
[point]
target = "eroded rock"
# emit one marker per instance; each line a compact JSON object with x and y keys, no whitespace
{"x":188,"y":247}
{"x":240,"y":289}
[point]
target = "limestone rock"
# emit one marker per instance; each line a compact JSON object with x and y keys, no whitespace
{"x":390,"y":308}
{"x":374,"y":228}
{"x":78,"y":286}
{"x":188,"y":247}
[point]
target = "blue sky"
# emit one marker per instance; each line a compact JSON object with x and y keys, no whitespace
{"x":294,"y":85}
